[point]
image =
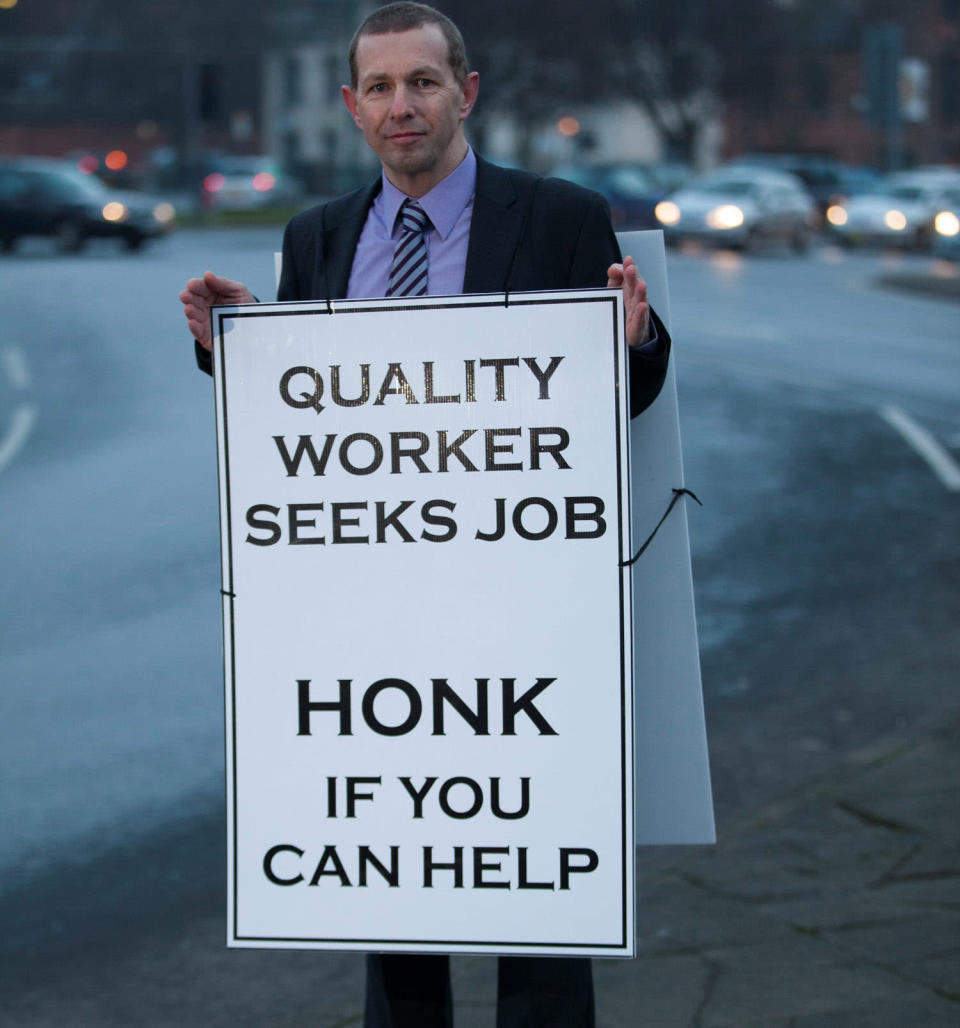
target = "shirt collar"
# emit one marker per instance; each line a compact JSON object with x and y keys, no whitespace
{"x":444,"y":203}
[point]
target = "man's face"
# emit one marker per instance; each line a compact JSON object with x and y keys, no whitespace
{"x":410,"y":106}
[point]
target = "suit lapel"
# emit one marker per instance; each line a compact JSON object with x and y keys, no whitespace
{"x":495,"y":230}
{"x":496,"y":226}
{"x":341,"y":233}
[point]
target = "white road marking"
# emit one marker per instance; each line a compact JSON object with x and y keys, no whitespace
{"x":24,"y":418}
{"x":941,"y":463}
{"x":15,"y":365}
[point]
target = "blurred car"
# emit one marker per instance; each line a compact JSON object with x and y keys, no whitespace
{"x":854,"y":179}
{"x":899,"y":210}
{"x":245,"y":183}
{"x":669,"y":176}
{"x":52,"y":198}
{"x":738,"y":205}
{"x":823,"y":177}
{"x":630,"y":189}
{"x":946,"y":226}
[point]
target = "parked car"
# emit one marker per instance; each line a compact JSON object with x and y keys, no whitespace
{"x":52,"y":198}
{"x":630,"y":189}
{"x":899,"y":210}
{"x":738,"y":205}
{"x":249,"y":182}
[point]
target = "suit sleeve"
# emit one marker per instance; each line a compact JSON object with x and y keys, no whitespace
{"x":204,"y":358}
{"x":647,"y":371}
{"x":597,"y":248}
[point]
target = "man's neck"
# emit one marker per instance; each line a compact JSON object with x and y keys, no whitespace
{"x":418,"y":185}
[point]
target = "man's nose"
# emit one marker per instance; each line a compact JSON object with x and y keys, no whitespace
{"x":402,"y":103}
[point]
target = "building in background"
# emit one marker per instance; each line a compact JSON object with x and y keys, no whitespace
{"x":864,"y":81}
{"x":169,"y":82}
{"x":304,"y":121}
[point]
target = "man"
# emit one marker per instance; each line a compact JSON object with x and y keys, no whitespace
{"x":484,"y":229}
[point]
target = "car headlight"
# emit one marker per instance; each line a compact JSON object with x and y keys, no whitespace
{"x":114,"y":211}
{"x":836,"y":214}
{"x":947,"y":223}
{"x":726,"y":216}
{"x":895,"y":220}
{"x":164,"y":213}
{"x":667,"y":212}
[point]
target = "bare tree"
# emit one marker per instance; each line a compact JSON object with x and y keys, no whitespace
{"x":678,"y":60}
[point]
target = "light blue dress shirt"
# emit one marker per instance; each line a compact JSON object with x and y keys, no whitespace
{"x":449,"y":206}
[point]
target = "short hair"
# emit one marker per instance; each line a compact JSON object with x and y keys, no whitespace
{"x":406,"y":15}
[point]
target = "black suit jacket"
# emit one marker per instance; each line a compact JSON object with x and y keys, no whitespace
{"x":527,"y":233}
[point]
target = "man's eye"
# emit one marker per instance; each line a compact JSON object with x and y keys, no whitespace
{"x":378,"y":87}
{"x":424,"y":83}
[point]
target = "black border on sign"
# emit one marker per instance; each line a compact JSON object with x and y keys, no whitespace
{"x":226,"y":589}
{"x":621,"y":400}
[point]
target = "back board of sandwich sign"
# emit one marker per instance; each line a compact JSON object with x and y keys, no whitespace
{"x":674,"y":802}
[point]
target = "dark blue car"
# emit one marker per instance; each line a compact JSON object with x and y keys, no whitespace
{"x":631,"y":190}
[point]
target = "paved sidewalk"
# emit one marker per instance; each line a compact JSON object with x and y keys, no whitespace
{"x":839,"y":906}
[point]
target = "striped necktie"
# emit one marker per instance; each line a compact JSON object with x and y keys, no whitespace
{"x":408,"y":272}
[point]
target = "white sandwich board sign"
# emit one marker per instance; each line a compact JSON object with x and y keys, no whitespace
{"x":428,"y":624}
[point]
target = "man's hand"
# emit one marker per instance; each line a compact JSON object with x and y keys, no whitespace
{"x":201,"y":294}
{"x":634,"y":300}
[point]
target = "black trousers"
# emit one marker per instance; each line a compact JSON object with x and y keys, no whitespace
{"x":532,"y":992}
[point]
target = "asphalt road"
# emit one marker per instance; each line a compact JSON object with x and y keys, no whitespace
{"x":821,"y":429}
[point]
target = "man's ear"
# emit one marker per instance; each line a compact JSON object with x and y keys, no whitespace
{"x":471,"y":87}
{"x":350,"y":99}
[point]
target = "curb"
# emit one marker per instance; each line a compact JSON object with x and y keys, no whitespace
{"x":926,"y":285}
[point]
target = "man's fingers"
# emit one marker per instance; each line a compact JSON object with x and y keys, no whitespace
{"x":200,"y":331}
{"x":219,"y":285}
{"x":190,"y":297}
{"x":635,"y":303}
{"x":615,"y":276}
{"x":226,"y":289}
{"x":201,"y":294}
{"x":200,"y":288}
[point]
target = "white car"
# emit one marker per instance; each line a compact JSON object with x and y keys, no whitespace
{"x":946,"y":226}
{"x":900,"y":210}
{"x":243,"y":183}
{"x":738,"y":205}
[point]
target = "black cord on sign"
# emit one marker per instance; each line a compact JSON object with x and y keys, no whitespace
{"x":677,"y":493}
